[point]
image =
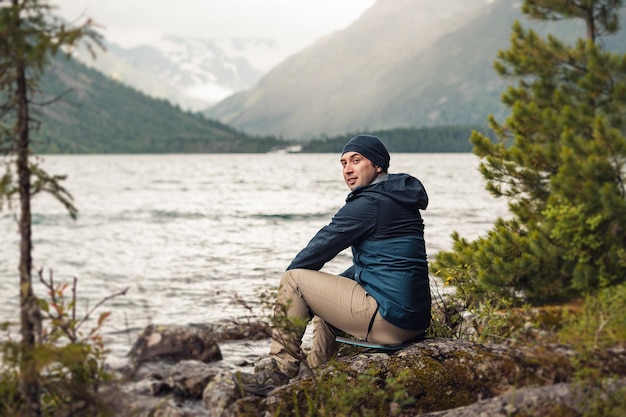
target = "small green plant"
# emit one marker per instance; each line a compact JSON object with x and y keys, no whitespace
{"x":70,"y":360}
{"x":455,"y":273}
{"x":367,"y":394}
{"x":601,"y":322}
{"x":603,"y":404}
{"x":10,"y":400}
{"x":289,"y":329}
{"x":497,"y":321}
{"x":446,"y":315}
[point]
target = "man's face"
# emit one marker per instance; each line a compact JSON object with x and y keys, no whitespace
{"x":358,"y":170}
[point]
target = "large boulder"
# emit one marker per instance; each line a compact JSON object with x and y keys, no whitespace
{"x":176,"y":343}
{"x":445,"y":374}
{"x":445,"y":377}
{"x":571,"y":399}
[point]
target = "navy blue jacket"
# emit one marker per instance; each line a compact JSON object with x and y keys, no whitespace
{"x":383,"y":225}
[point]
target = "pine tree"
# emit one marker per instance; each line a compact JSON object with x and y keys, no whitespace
{"x":29,"y":36}
{"x":560,"y":161}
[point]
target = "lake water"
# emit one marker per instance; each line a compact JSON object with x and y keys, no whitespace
{"x":191,"y":233}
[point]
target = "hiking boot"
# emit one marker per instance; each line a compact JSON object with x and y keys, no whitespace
{"x":260,"y":383}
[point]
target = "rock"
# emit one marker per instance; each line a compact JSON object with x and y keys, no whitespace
{"x":150,"y":371}
{"x":174,"y":408}
{"x":149,"y":387}
{"x":176,"y":393}
{"x":446,"y":377}
{"x":451,"y":373}
{"x":220,"y":393}
{"x":169,"y":373}
{"x":175,"y":343}
{"x":189,"y":378}
{"x":558,"y":399}
{"x":126,"y":403}
{"x":248,"y":330}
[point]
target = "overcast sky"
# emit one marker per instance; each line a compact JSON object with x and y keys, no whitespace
{"x":294,"y":24}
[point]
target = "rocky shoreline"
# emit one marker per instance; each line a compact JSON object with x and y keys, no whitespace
{"x":175,"y":371}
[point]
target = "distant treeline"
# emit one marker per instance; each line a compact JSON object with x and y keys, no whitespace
{"x":426,"y":139}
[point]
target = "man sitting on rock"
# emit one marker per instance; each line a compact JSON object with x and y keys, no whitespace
{"x":383,"y":297}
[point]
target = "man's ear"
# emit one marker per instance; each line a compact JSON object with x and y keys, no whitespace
{"x":379,"y":169}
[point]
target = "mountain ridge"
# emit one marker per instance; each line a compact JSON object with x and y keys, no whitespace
{"x":386,"y":71}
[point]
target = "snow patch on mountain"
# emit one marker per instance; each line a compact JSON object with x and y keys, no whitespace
{"x":192,"y":73}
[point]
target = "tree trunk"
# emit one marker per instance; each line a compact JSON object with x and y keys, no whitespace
{"x":30,"y":319}
{"x":29,"y":311}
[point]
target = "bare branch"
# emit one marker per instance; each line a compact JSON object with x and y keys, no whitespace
{"x":102,"y":301}
{"x":74,"y":285}
{"x":49,"y":285}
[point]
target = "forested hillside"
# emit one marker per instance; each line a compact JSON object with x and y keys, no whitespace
{"x":91,"y":113}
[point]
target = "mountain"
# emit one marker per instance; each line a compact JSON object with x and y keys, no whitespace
{"x":402,"y":64}
{"x":192,"y":73}
{"x":91,"y":113}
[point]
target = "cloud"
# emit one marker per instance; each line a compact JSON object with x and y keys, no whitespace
{"x":294,"y":24}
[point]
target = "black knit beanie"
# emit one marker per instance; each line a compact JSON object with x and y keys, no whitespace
{"x":370,"y":147}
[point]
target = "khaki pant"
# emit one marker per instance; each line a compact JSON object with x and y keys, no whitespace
{"x":338,"y":303}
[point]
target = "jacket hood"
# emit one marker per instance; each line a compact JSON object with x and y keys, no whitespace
{"x":403,"y":188}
